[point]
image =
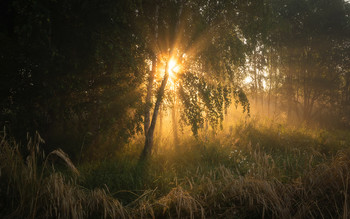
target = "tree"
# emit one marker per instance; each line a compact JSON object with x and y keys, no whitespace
{"x":70,"y":68}
{"x":193,"y":33}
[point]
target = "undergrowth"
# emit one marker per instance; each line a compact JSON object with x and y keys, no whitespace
{"x":257,"y":171}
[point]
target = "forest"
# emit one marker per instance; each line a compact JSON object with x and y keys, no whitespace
{"x":174,"y":109}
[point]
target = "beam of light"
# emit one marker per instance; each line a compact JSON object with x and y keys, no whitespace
{"x":247,"y":80}
{"x":264,"y":84}
{"x":149,"y":63}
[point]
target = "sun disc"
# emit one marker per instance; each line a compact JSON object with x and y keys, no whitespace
{"x":173,"y":68}
{"x":171,"y":65}
{"x":247,"y":80}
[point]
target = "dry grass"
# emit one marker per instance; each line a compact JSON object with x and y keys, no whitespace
{"x":31,"y":187}
{"x":35,"y":192}
{"x":322,"y":193}
{"x":182,"y":202}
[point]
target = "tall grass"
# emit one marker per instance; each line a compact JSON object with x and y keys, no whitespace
{"x":32,"y":188}
{"x":260,"y":171}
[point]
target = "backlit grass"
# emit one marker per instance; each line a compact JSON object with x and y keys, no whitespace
{"x":259,"y":170}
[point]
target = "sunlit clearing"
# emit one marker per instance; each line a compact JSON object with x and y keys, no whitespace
{"x":247,"y":80}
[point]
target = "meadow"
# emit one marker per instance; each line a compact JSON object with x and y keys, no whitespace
{"x":260,"y":169}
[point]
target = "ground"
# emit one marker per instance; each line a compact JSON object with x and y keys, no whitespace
{"x":260,"y":169}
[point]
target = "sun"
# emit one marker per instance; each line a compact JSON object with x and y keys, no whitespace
{"x":173,"y":68}
{"x":247,"y":80}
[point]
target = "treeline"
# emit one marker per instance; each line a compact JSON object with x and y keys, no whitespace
{"x":301,"y":62}
{"x":88,"y":75}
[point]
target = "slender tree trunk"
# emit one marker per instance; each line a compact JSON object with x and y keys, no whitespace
{"x":160,"y":132}
{"x":269,"y":98}
{"x":278,"y":65}
{"x":206,"y":130}
{"x":149,"y":96}
{"x":262,"y":99}
{"x":346,"y":95}
{"x":151,"y":78}
{"x":255,"y":82}
{"x":290,"y":90}
{"x":270,"y":84}
{"x":174,"y":122}
{"x":159,"y":128}
{"x":150,"y":133}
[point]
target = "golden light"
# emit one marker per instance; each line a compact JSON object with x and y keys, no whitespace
{"x":176,"y":69}
{"x":173,"y":68}
{"x":264,"y":84}
{"x":247,"y":80}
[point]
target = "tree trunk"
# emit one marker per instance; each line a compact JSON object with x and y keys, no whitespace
{"x":149,"y":96}
{"x":289,"y":90}
{"x":160,"y":123}
{"x":271,"y":69}
{"x":150,"y":133}
{"x":151,"y":78}
{"x":262,"y":99}
{"x":255,"y":82}
{"x":174,"y":121}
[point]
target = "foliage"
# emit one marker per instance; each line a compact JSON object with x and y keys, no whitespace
{"x":66,"y":72}
{"x":204,"y":101}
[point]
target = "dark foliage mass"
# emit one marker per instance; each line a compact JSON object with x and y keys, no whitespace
{"x":69,"y":69}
